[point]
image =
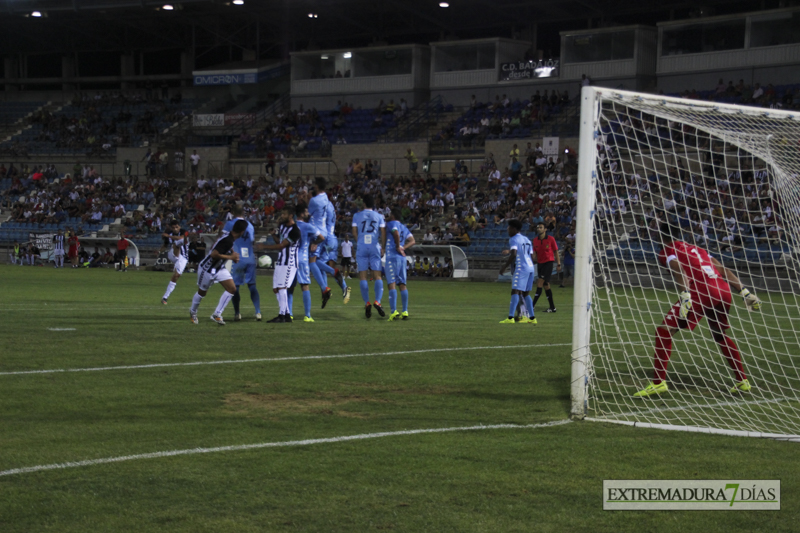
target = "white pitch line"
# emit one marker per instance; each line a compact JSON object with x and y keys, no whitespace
{"x":242,"y":447}
{"x":61,"y":329}
{"x":273,"y":359}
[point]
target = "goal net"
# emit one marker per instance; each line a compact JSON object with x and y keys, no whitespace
{"x":722,"y":178}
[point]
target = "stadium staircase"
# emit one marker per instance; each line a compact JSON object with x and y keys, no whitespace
{"x":15,"y":116}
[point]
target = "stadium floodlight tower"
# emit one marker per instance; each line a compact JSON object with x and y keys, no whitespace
{"x":725,"y":180}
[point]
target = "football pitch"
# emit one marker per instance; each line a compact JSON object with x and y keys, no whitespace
{"x":118,"y":414}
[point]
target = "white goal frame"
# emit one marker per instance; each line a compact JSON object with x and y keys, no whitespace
{"x":581,"y":359}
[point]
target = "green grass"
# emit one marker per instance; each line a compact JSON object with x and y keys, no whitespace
{"x":544,"y":479}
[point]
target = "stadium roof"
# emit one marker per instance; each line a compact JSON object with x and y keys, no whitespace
{"x":276,"y":27}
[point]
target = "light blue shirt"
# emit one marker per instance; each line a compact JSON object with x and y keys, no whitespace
{"x":391,"y":244}
{"x":244,"y":244}
{"x":308,"y":233}
{"x":318,"y":208}
{"x":330,"y":219}
{"x":522,"y":245}
{"x":369,"y":224}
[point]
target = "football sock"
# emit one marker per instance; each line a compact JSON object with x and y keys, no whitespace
{"x":290,"y":301}
{"x":529,"y":305}
{"x":663,"y":353}
{"x":224,"y":300}
{"x":404,"y":297}
{"x":378,"y":290}
{"x":393,"y":299}
{"x":731,"y":353}
{"x":324,"y":267}
{"x":549,"y":293}
{"x":318,"y":275}
{"x":196,"y":302}
{"x":513,"y":307}
{"x":170,"y":288}
{"x":283,"y":303}
{"x":255,"y":297}
{"x":237,"y":298}
{"x":536,"y":296}
{"x":307,"y":303}
{"x":364,"y":290}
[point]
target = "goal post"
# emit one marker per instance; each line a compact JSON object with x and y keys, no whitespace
{"x":582,"y":308}
{"x":720,"y":177}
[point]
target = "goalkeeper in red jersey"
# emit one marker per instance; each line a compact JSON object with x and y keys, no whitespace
{"x":705,"y":291}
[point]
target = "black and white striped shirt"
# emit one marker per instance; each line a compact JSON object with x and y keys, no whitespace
{"x":182,"y":244}
{"x":288,"y":255}
{"x":224,"y":246}
{"x":58,"y":242}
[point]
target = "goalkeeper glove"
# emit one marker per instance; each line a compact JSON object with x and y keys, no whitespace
{"x":752,"y":301}
{"x":686,"y":304}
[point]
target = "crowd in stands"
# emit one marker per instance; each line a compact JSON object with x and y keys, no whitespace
{"x":724,"y":202}
{"x":96,"y":124}
{"x":783,"y":96}
{"x":447,"y":209}
{"x":293,"y":132}
{"x":504,"y":118}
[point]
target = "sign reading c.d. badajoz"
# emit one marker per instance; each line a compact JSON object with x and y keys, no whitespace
{"x":705,"y":495}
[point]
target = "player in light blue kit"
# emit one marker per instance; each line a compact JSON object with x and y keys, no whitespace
{"x":369,"y":231}
{"x":245,"y":270}
{"x":318,"y":210}
{"x":399,"y":240}
{"x":309,"y":234}
{"x":521,"y":255}
{"x":327,"y":260}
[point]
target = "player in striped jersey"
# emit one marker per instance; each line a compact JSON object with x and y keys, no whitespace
{"x":178,"y":242}
{"x":58,"y":249}
{"x":287,"y":241}
{"x":212,"y":270}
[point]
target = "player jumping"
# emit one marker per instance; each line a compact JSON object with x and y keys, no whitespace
{"x":369,"y":231}
{"x":310,"y":237}
{"x":318,"y":209}
{"x":521,"y":256}
{"x":399,"y":240}
{"x":245,"y":270}
{"x":705,"y":291}
{"x":178,"y":243}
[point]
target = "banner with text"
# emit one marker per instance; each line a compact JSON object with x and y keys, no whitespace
{"x":528,"y":70}
{"x":209,"y":120}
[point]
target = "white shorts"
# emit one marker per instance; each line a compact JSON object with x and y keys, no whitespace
{"x":283,"y":276}
{"x":179,"y":262}
{"x":207,"y":279}
{"x":58,"y":253}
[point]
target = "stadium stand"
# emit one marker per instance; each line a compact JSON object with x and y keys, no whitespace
{"x":97,"y":124}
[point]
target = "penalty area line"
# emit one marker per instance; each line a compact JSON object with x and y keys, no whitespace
{"x":285,"y":444}
{"x":273,"y":359}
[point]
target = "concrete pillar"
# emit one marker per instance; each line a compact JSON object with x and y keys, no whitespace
{"x":187,"y":66}
{"x":11,"y":71}
{"x":68,"y":71}
{"x":127,"y":68}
